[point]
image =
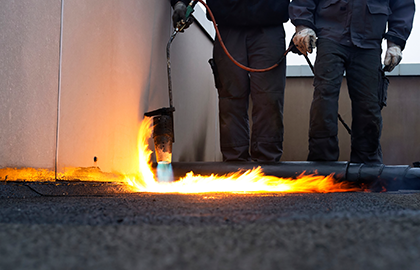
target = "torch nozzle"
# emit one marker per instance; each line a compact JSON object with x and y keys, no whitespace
{"x":164,"y":172}
{"x":163,"y":133}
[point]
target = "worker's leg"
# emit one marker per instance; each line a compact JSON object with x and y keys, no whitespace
{"x":233,"y":95}
{"x":363,"y":75}
{"x":329,"y":69}
{"x":266,"y":46}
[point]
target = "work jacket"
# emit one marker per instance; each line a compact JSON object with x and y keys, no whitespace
{"x":356,"y":22}
{"x":247,"y":12}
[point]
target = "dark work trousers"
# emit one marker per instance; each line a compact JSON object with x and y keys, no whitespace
{"x":363,"y":75}
{"x":256,"y":47}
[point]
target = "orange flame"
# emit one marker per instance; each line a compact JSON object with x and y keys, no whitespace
{"x":251,"y":181}
{"x":69,"y":174}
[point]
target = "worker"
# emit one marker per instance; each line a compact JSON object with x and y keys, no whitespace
{"x":254,"y":35}
{"x":349,"y":34}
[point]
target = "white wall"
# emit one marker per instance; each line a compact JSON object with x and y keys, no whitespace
{"x":110,"y":66}
{"x":113,"y":70}
{"x":29,"y":38}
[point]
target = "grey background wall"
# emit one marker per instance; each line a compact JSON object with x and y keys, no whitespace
{"x":401,"y":121}
{"x":401,"y":117}
{"x":113,"y":69}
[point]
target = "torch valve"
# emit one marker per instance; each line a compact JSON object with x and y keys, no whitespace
{"x":188,"y":19}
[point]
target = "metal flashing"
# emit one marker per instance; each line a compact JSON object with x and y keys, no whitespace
{"x":400,"y":70}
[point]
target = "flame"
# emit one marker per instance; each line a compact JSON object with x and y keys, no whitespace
{"x":251,"y":181}
{"x":146,"y":177}
{"x":68,"y":174}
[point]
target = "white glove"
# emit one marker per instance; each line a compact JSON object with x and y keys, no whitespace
{"x":304,"y":39}
{"x":393,"y":56}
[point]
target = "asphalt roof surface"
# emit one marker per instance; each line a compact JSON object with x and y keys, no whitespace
{"x":211,"y":231}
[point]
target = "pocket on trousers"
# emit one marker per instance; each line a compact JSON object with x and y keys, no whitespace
{"x":383,"y":89}
{"x":213,"y":66}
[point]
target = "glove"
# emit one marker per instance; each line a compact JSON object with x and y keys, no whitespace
{"x":180,"y":10}
{"x":393,"y":56}
{"x":178,"y":17}
{"x":304,"y":39}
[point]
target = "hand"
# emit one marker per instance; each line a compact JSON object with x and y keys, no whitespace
{"x":393,"y":56}
{"x":304,"y":39}
{"x":178,"y":17}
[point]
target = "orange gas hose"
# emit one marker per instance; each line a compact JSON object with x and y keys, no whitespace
{"x":230,"y":56}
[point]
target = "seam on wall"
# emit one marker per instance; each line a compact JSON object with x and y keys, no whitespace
{"x":60,"y":61}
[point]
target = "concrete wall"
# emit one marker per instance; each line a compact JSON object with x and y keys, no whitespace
{"x":113,"y":55}
{"x":29,"y":38}
{"x":113,"y":70}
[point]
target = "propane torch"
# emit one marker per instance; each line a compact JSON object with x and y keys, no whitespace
{"x":163,"y":118}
